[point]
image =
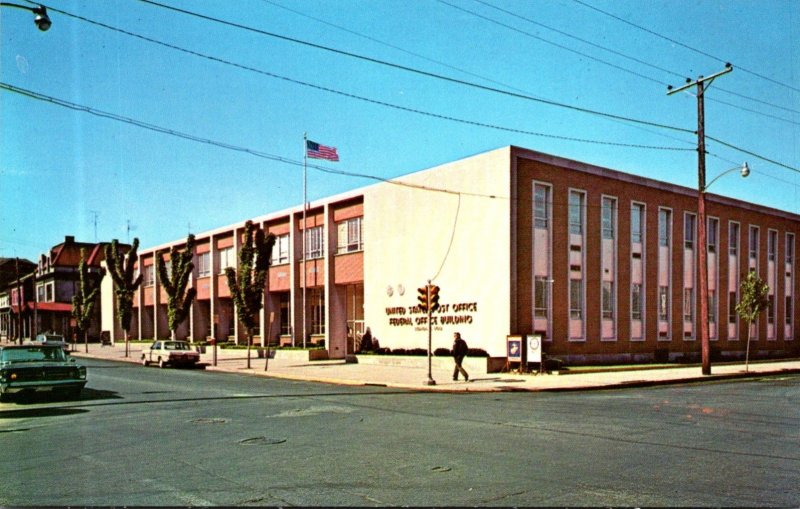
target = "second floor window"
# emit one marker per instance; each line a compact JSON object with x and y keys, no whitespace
{"x":541,"y":206}
{"x":575,"y":212}
{"x":227,"y":258}
{"x":637,"y":223}
{"x":754,"y":242}
{"x":608,"y":219}
{"x":280,"y":251}
{"x":315,"y":243}
{"x":203,"y":264}
{"x":348,"y":235}
{"x":663,"y":227}
{"x":148,"y":276}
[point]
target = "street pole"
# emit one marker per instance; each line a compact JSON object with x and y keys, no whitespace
{"x":705,"y":347}
{"x":305,"y":199}
{"x":430,"y":381}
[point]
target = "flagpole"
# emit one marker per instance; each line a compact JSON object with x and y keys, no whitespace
{"x":305,"y":203}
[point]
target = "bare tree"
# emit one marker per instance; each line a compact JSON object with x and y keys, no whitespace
{"x":175,"y":282}
{"x":121,"y":269}
{"x":84,"y":300}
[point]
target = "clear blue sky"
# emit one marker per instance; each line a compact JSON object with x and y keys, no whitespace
{"x":60,"y":168}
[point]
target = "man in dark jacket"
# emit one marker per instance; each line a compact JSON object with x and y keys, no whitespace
{"x":460,"y":349}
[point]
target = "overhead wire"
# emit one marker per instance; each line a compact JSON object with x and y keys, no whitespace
{"x":617,"y":53}
{"x":363,"y":98}
{"x":683,"y":45}
{"x":413,"y":70}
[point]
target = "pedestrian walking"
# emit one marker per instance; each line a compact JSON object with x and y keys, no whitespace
{"x":460,"y":349}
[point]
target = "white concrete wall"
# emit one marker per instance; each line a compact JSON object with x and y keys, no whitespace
{"x":108,"y":308}
{"x":407,"y":235}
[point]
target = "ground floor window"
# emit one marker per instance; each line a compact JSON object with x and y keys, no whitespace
{"x":286,"y":314}
{"x":316,"y":301}
{"x":541,"y":297}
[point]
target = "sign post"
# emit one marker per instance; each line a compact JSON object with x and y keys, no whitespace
{"x":535,"y":350}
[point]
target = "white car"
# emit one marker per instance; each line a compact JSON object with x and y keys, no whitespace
{"x":51,"y":340}
{"x":174,"y":353}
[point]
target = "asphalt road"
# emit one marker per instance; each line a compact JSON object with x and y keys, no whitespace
{"x":145,"y":436}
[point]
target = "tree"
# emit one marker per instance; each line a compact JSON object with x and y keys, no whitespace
{"x":83,"y":301}
{"x":753,"y":299}
{"x":120,"y":267}
{"x":175,"y":282}
{"x":247,"y":282}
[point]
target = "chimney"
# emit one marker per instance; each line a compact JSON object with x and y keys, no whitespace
{"x":69,"y":239}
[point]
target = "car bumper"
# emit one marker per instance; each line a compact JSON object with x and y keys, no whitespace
{"x":61,"y":385}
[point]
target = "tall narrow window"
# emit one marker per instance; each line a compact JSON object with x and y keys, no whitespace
{"x":636,"y":301}
{"x":608,"y":299}
{"x":688,"y":231}
{"x":732,"y":316}
{"x":733,"y":239}
{"x":663,"y":227}
{"x":637,"y":223}
{"x":712,"y":306}
{"x":688,"y":304}
{"x":608,"y":219}
{"x":663,"y":303}
{"x":789,"y":249}
{"x":227,"y":258}
{"x":711,"y":237}
{"x":541,"y":206}
{"x":772,"y":245}
{"x":576,"y":212}
{"x":754,"y":243}
{"x":541,"y":303}
{"x":576,"y":299}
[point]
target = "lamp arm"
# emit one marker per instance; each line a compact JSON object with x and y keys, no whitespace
{"x":739,"y":168}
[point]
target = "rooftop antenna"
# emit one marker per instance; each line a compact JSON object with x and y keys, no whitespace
{"x":94,"y":220}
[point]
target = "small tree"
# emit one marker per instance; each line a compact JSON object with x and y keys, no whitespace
{"x":753,"y":299}
{"x":83,"y":301}
{"x":179,"y":297}
{"x":120,"y":267}
{"x":247,"y":282}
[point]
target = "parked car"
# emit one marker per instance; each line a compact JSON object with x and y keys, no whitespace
{"x":52,"y":339}
{"x":39,"y":368}
{"x":174,"y":353}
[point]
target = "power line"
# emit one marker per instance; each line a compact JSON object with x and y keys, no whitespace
{"x":417,"y":71}
{"x":366,"y":99}
{"x":617,"y":53}
{"x":686,"y":46}
{"x":751,"y":153}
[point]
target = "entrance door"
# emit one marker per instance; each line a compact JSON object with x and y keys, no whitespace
{"x":354,"y":305}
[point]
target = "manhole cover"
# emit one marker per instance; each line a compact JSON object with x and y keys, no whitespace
{"x":209,"y":420}
{"x":441,"y":469}
{"x":262,"y":441}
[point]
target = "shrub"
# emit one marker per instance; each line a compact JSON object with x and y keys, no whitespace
{"x":442,"y":352}
{"x":477,"y":352}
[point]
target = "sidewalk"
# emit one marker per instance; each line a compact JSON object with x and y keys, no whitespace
{"x":415,"y":378}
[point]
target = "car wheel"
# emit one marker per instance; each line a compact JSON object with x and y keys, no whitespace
{"x":161,"y":363}
{"x":145,"y":362}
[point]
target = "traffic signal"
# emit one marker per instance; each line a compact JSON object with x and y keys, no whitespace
{"x":422,"y":298}
{"x":433,"y":297}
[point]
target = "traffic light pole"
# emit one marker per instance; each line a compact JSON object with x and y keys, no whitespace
{"x":430,"y":381}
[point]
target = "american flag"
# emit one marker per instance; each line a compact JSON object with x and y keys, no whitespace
{"x":317,"y":151}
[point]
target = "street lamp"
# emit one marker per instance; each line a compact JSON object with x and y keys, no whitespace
{"x":41,"y":19}
{"x":744,"y":171}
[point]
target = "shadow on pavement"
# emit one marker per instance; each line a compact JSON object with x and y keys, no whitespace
{"x":40,"y":412}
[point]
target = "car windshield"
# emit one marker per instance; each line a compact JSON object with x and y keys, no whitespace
{"x":32,"y":354}
{"x":176,"y":345}
{"x":49,"y":337}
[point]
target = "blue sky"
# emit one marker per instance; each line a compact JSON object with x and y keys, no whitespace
{"x":61,"y":168}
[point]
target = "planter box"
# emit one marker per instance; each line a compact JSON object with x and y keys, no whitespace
{"x":301,"y":355}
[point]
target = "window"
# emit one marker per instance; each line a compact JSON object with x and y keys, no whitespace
{"x":754,"y":242}
{"x":636,"y":301}
{"x":771,"y":309}
{"x":576,"y":299}
{"x":688,"y":231}
{"x":576,"y":212}
{"x":788,"y":310}
{"x":608,"y":300}
{"x":541,"y":206}
{"x":712,"y":306}
{"x":711,"y":236}
{"x":314,"y":242}
{"x":348,"y":235}
{"x":280,"y":251}
{"x":732,"y":316}
{"x":227,"y":258}
{"x":637,"y":223}
{"x":148,"y":276}
{"x":688,"y":304}
{"x":316,"y":299}
{"x":203,"y":264}
{"x":286,"y":313}
{"x":772,"y":245}
{"x":541,"y":298}
{"x":663,"y":227}
{"x":40,"y":293}
{"x":607,"y":216}
{"x":663,"y":303}
{"x":733,"y":239}
{"x":789,"y":248}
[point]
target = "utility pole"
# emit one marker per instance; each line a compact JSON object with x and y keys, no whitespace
{"x":19,"y":305}
{"x":700,"y":83}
